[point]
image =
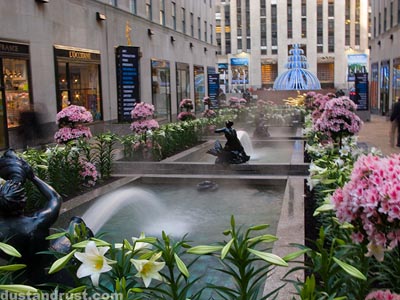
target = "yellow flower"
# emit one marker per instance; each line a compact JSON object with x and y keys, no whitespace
{"x":148,"y":269}
{"x":93,"y":262}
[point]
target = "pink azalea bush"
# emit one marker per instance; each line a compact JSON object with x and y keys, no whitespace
{"x":142,"y":110}
{"x":143,"y":126}
{"x":186,"y":104}
{"x":186,"y":107}
{"x":186,"y":116}
{"x":66,"y":134}
{"x":370,"y":201}
{"x":142,"y":115}
{"x":338,"y":118}
{"x":70,"y":121}
{"x":209,"y":113}
{"x":382,"y":295}
{"x":88,"y":173}
{"x":74,"y":114}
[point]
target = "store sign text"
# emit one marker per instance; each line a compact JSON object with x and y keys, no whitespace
{"x":79,"y":55}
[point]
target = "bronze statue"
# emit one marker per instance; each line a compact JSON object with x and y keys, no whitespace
{"x":233,"y":151}
{"x":27,"y":233}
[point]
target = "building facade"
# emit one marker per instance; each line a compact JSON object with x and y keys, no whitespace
{"x":255,"y":38}
{"x":385,"y":55}
{"x":104,"y":55}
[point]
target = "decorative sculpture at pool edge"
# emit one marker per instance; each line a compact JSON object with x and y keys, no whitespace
{"x":233,"y":151}
{"x":27,"y":233}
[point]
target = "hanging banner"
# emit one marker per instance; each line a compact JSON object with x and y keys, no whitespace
{"x":240,"y":70}
{"x":361,"y":85}
{"x":128,"y":93}
{"x":213,"y":89}
{"x":356,"y":63}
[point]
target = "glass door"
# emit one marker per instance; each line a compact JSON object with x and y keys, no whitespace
{"x":3,"y":115}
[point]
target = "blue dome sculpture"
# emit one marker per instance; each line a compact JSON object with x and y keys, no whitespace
{"x":297,"y":77}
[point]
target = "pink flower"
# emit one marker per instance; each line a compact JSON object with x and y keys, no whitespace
{"x":142,"y":110}
{"x":66,"y":134}
{"x":371,"y":201}
{"x":336,"y":117}
{"x":74,"y":114}
{"x":88,"y":173}
{"x":209,"y":113}
{"x":382,"y":295}
{"x":186,"y":103}
{"x":143,"y":126}
{"x":186,"y":116}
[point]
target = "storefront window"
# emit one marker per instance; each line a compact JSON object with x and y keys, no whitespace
{"x":182,"y":82}
{"x":396,"y":79}
{"x":15,"y":74}
{"x":161,"y":91}
{"x":199,"y":88}
{"x":78,"y":75}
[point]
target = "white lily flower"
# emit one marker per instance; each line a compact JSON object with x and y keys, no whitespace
{"x":339,"y":162}
{"x":140,"y":245}
{"x":314,"y":169}
{"x":148,"y":269}
{"x":375,"y":250}
{"x":93,"y":262}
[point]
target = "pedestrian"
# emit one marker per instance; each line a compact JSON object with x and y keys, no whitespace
{"x":395,"y":118}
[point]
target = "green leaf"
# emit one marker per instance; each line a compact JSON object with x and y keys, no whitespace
{"x":56,"y":236}
{"x":269,"y":257}
{"x":18,"y":288}
{"x":14,"y":267}
{"x":259,"y":227}
{"x":323,"y":208}
{"x":61,"y":262}
{"x":294,"y":255}
{"x":203,"y":249}
{"x":226,"y":248}
{"x":350,"y":269}
{"x":232,"y":221}
{"x":181,"y":266}
{"x":10,"y":250}
{"x":78,"y":289}
{"x":267,"y":238}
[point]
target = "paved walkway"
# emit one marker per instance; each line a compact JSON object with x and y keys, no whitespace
{"x":376,"y":133}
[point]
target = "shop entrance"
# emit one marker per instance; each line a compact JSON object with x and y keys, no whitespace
{"x":3,"y":118}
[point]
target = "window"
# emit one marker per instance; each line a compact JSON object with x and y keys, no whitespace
{"x":149,"y":13}
{"x":173,"y":15}
{"x":303,"y":18}
{"x":320,"y":26}
{"x":205,"y":31}
{"x":183,"y":20}
{"x":289,"y":20}
{"x":357,"y":23}
{"x":239,"y":44}
{"x":162,"y":12}
{"x":161,"y":91}
{"x":191,"y":24}
{"x":199,"y":28}
{"x":274,"y":29}
{"x":113,"y":2}
{"x":385,"y":19}
{"x":132,"y":6}
{"x":331,"y":35}
{"x":263,"y":32}
{"x":211,"y":34}
{"x":347,"y":24}
{"x":263,"y":8}
{"x":391,"y":14}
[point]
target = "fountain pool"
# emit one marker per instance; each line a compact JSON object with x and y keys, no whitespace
{"x":175,"y":205}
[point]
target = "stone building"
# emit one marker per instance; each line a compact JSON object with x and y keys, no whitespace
{"x":104,"y":55}
{"x":384,"y":55}
{"x":255,"y":38}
